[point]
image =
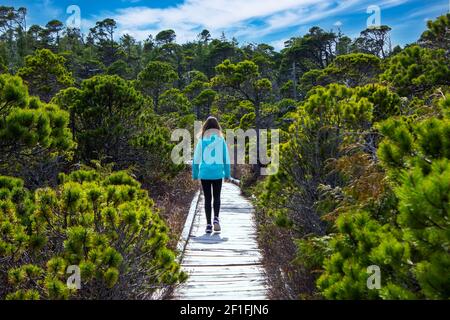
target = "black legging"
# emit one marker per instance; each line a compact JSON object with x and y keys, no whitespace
{"x":216,"y":190}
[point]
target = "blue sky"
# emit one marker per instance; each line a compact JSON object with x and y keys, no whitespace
{"x":270,"y":21}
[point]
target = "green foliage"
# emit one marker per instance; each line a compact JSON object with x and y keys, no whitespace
{"x":45,"y":74}
{"x":313,"y":251}
{"x":362,"y":242}
{"x":174,"y":101}
{"x":165,"y":36}
{"x":236,"y":75}
{"x":3,"y":67}
{"x":119,"y":68}
{"x":328,"y":118}
{"x":409,"y":145}
{"x":313,"y":50}
{"x":114,"y":123}
{"x":437,"y":35}
{"x":424,"y":214}
{"x":203,"y":102}
{"x":355,"y":69}
{"x":287,"y":89}
{"x":31,"y":132}
{"x":408,"y":239}
{"x":106,"y":226}
{"x":155,"y":79}
{"x":309,"y":80}
{"x":416,"y":70}
{"x":97,"y":109}
{"x":13,"y":93}
{"x":385,"y":102}
{"x":374,"y":40}
{"x":247,"y":121}
{"x":245,"y":82}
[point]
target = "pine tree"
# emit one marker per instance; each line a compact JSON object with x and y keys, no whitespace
{"x":437,"y":36}
{"x":32,"y":133}
{"x":156,"y":78}
{"x":416,"y":70}
{"x":246,"y":83}
{"x":46,"y":74}
{"x":114,"y":123}
{"x":107,"y":226}
{"x":407,"y":239}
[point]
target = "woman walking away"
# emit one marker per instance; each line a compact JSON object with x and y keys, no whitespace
{"x":211,"y":165}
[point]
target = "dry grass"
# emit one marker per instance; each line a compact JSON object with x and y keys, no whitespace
{"x":173,"y":199}
{"x":287,"y":280}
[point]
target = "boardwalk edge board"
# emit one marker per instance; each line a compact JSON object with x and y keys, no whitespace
{"x":182,"y":243}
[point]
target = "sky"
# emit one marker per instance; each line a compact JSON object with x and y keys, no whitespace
{"x":249,"y":21}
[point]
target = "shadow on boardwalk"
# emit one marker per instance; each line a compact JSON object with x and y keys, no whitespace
{"x":210,"y":238}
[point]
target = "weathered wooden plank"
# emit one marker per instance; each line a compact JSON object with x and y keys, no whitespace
{"x":237,"y":227}
{"x":226,"y":278}
{"x":231,"y":231}
{"x":229,"y":268}
{"x":220,"y":262}
{"x":229,"y":245}
{"x":193,"y":257}
{"x":224,"y":287}
{"x":239,"y":285}
{"x":212,"y":291}
{"x":224,"y":266}
{"x":223,"y":253}
{"x":223,"y":273}
{"x":225,"y":244}
{"x":223,"y":250}
{"x":242,"y":241}
{"x":222,"y":297}
{"x":225,"y":296}
{"x":233,"y":247}
{"x":224,"y":290}
{"x":189,"y":223}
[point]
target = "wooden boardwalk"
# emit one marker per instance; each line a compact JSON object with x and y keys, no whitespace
{"x":225,"y":266}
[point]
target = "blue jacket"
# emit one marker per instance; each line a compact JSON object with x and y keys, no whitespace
{"x":211,"y":159}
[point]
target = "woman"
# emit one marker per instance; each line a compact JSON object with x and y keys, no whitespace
{"x":211,"y":165}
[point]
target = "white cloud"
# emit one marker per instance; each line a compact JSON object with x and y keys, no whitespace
{"x":248,"y":19}
{"x":278,"y":44}
{"x":434,"y":11}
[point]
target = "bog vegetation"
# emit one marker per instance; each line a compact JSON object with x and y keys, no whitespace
{"x":85,"y":123}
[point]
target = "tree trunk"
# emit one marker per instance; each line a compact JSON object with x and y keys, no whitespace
{"x":294,"y":79}
{"x":257,"y":166}
{"x":156,"y":102}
